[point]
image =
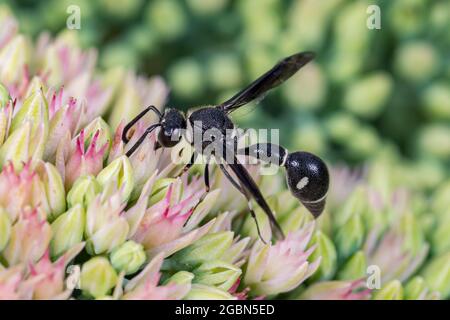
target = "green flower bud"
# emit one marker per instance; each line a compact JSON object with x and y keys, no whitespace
{"x":341,"y":126}
{"x":334,"y":290}
{"x":4,"y":96}
{"x":441,"y":198}
{"x":67,"y":230}
{"x":23,"y":145}
{"x":14,"y":57}
{"x":83,"y":191}
{"x":160,"y":11}
{"x":98,"y":124}
{"x":364,"y":144}
{"x":205,"y":8}
{"x":408,"y":18}
{"x":159,"y":190}
{"x":119,"y":173}
{"x":437,"y":274}
{"x":354,"y":268}
{"x":35,"y":109}
{"x":204,"y":292}
{"x":128,"y":257}
{"x":350,"y":236}
{"x":306,"y":91}
{"x":367,"y":97}
{"x":295,"y":219}
{"x":393,"y":290}
{"x":440,"y":235}
{"x":217,"y":273}
{"x":105,"y":228}
{"x":187,"y":78}
{"x":415,"y":289}
{"x":210,"y":247}
{"x":181,"y":277}
{"x":36,"y":85}
{"x":433,"y":141}
{"x":420,"y":54}
{"x":412,"y":233}
{"x":5,"y":228}
{"x":325,"y":249}
{"x":54,"y":188}
{"x":313,"y":137}
{"x":436,"y":100}
{"x":224,"y":71}
{"x":121,"y":10}
{"x":97,"y":277}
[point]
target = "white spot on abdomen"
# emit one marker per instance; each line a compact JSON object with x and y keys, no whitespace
{"x":302,"y":183}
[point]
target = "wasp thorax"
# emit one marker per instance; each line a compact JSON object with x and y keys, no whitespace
{"x":308,"y":180}
{"x":172,"y":127}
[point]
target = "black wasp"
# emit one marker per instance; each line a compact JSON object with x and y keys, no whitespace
{"x":307,"y":175}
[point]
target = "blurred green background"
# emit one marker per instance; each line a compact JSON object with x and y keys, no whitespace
{"x":367,"y":91}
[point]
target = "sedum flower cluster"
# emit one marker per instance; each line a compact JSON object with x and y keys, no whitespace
{"x":366,"y":88}
{"x":79,"y":219}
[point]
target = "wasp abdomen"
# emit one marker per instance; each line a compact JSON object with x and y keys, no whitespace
{"x":308,"y":180}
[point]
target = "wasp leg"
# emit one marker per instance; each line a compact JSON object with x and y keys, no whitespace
{"x":242,"y":190}
{"x":136,"y":119}
{"x":249,"y":184}
{"x":141,"y":139}
{"x":206,"y":177}
{"x":188,"y":165}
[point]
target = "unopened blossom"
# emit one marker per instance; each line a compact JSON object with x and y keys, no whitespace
{"x":67,"y":230}
{"x":217,"y":273}
{"x":30,"y":237}
{"x":181,"y":277}
{"x":406,"y":254}
{"x":118,"y":174}
{"x":80,"y":157}
{"x":290,"y":255}
{"x":417,"y":289}
{"x":144,"y":286}
{"x":6,"y":111}
{"x":437,"y":274}
{"x":337,"y":290}
{"x":15,"y":56}
{"x":9,"y":26}
{"x":48,"y":277}
{"x":34,"y":109}
{"x":23,"y":144}
{"x":326,"y":251}
{"x":354,"y":268}
{"x":208,"y":248}
{"x":27,"y":130}
{"x":162,"y":227}
{"x":66,"y":64}
{"x":10,"y":281}
{"x":205,"y":292}
{"x":146,"y":159}
{"x":65,"y":118}
{"x":34,"y":185}
{"x":83,"y":191}
{"x":5,"y":228}
{"x":128,"y":257}
{"x":106,"y":227}
{"x":392,"y":290}
{"x":98,"y":277}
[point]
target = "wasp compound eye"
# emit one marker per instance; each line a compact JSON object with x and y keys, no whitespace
{"x":308,"y":179}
